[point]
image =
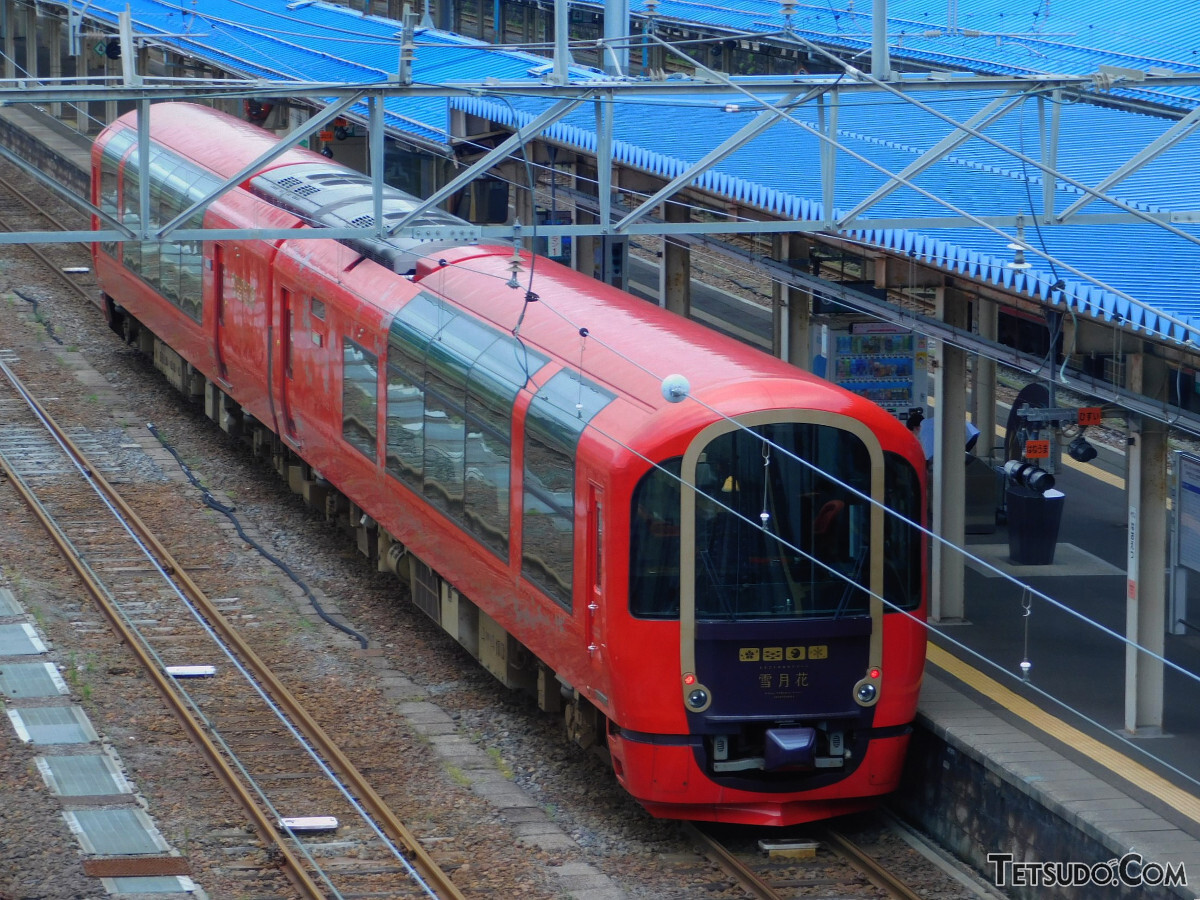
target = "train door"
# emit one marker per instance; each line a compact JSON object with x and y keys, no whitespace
{"x":594,"y":617}
{"x":286,"y":376}
{"x":245,"y":323}
{"x":218,"y":295}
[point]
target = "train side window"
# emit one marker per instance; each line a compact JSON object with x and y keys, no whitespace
{"x":495,"y":379}
{"x":191,"y":252}
{"x":174,"y":268}
{"x":160,"y":166}
{"x":317,"y":307}
{"x":405,"y":418}
{"x":597,"y":539}
{"x":445,"y":431}
{"x":132,"y":250}
{"x":557,"y":416}
{"x":360,"y":388}
{"x":468,"y":406}
{"x":491,"y":394}
{"x":191,"y":271}
{"x":654,"y":547}
{"x":408,"y":337}
{"x":902,"y":555}
{"x":549,"y":518}
{"x":110,"y":163}
{"x":452,"y":383}
{"x":168,"y":190}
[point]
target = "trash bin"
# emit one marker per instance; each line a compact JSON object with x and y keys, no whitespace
{"x":1033,"y":521}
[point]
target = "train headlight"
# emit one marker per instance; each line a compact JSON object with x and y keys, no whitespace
{"x":695,"y":695}
{"x":866,"y":692}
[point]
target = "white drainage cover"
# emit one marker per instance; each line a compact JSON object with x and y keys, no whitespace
{"x":82,"y":776}
{"x":22,"y":680}
{"x":53,"y":725}
{"x":308,"y":823}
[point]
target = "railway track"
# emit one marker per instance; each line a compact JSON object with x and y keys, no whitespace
{"x":823,"y":860}
{"x":56,"y":257}
{"x":272,"y":756}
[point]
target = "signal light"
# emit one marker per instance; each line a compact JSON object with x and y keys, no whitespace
{"x":689,"y":678}
{"x":1030,"y":476}
{"x":697,"y":698}
{"x":866,"y":693}
{"x":1080,"y":450}
{"x":875,"y":673}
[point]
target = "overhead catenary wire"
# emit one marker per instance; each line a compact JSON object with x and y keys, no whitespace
{"x":1154,"y":312}
{"x":1171,"y":321}
{"x":1033,"y":278}
{"x":974,"y":219}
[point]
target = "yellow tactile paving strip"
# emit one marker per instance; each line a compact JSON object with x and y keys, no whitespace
{"x":1116,"y":762}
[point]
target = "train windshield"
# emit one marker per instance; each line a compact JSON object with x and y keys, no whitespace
{"x":778,"y":531}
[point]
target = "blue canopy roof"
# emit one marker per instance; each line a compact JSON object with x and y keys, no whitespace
{"x":1069,"y":37}
{"x":778,"y":173}
{"x":1147,"y":275}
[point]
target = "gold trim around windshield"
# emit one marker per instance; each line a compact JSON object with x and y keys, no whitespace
{"x":687,"y":561}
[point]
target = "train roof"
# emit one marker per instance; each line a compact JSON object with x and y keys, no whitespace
{"x":221,"y":143}
{"x":630,"y":344}
{"x":623,"y":342}
{"x":320,"y":193}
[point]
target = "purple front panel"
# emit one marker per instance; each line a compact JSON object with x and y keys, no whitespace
{"x":782,"y":669}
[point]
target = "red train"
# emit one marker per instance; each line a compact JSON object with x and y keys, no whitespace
{"x":696,"y":584}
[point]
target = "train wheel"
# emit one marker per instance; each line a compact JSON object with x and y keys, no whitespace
{"x":128,"y":329}
{"x":584,"y":723}
{"x":114,"y":316}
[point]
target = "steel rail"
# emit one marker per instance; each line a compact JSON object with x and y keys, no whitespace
{"x":83,"y":292}
{"x":367,"y":796}
{"x":391,"y":824}
{"x":863,"y":862}
{"x":730,"y":863}
{"x":292,"y":868}
{"x":876,"y":873}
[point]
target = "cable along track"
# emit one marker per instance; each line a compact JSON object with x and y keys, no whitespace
{"x":266,"y":749}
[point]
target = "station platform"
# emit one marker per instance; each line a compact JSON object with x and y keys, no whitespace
{"x":999,"y":767}
{"x":52,"y":146}
{"x":995,"y":767}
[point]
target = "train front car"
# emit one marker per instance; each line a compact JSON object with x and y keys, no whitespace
{"x":764,"y":547}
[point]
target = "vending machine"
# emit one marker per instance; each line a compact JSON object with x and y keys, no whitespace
{"x":885,"y":363}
